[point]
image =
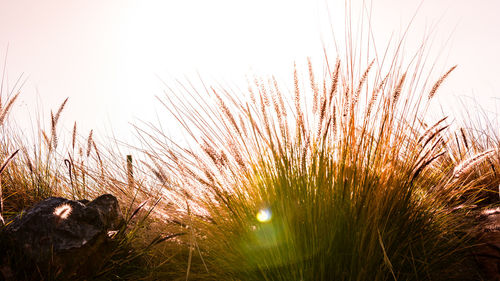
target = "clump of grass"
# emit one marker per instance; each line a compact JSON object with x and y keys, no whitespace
{"x":341,"y":179}
{"x":340,"y":189}
{"x":32,"y":170}
{"x":475,"y":152}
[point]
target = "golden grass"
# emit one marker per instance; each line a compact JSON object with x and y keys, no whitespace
{"x":340,"y":180}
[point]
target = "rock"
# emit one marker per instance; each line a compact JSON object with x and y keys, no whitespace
{"x":61,"y":237}
{"x":490,"y":219}
{"x":487,"y":252}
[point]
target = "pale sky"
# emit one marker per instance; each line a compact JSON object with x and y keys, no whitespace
{"x":108,"y":56}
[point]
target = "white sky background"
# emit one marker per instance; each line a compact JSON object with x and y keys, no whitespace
{"x":106,"y":56}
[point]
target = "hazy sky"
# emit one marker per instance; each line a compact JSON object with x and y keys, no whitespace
{"x":109,"y":56}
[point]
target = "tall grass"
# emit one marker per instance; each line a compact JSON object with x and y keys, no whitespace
{"x":341,"y":179}
{"x":33,"y":169}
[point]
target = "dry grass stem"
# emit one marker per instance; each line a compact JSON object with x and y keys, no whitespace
{"x":438,"y":83}
{"x":466,"y":165}
{"x":89,"y":143}
{"x":6,"y":109}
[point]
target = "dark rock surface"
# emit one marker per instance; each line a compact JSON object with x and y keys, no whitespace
{"x":488,"y":251}
{"x":59,"y":238}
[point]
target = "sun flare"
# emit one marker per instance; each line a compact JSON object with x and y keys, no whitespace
{"x":264,"y":215}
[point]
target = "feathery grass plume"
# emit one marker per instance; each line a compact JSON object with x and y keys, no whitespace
{"x":263,"y":93}
{"x":235,"y":153}
{"x":89,"y":143}
{"x":279,"y":107}
{"x":334,"y":123}
{"x":431,"y":132}
{"x":210,"y":151}
{"x":280,"y":97}
{"x":73,"y":137}
{"x":58,"y":113}
{"x":324,"y":89}
{"x":322,"y":111}
{"x":375,"y":94}
{"x":440,"y":81}
{"x":226,"y":111}
{"x":252,"y":95}
{"x":300,"y":128}
{"x":397,"y":90}
{"x":54,"y":119}
{"x":346,"y":102}
{"x":53,"y":133}
{"x":255,"y":126}
{"x":314,"y":87}
{"x":361,"y":83}
{"x":464,"y":138}
{"x":243,"y":126}
{"x":265,"y":116}
{"x":6,"y":109}
{"x":276,"y":105}
{"x":130,"y":173}
{"x":296,"y":88}
{"x":466,"y":165}
{"x":335,"y":81}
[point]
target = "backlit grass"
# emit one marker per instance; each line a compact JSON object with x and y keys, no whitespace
{"x":343,"y":177}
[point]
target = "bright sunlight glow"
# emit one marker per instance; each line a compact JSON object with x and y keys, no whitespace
{"x":264,"y":215}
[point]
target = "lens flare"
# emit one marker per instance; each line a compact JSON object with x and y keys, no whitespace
{"x":264,"y":215}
